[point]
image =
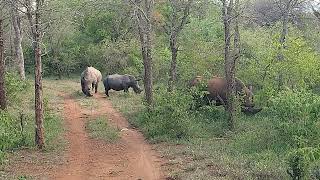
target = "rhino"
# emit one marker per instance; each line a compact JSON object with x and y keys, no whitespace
{"x":90,"y":79}
{"x":119,"y":82}
{"x":217,"y":88}
{"x":217,"y":92}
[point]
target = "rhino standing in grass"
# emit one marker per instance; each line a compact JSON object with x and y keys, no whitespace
{"x":90,"y":79}
{"x":217,"y":89}
{"x":119,"y":82}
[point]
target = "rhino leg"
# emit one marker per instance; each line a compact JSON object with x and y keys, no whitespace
{"x":106,"y":87}
{"x":107,"y":90}
{"x":83,"y":86}
{"x":126,"y":89}
{"x":96,"y":88}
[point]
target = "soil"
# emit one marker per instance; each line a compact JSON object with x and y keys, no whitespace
{"x":131,"y":157}
{"x":128,"y":158}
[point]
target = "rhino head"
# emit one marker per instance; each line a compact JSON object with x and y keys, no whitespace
{"x":136,"y":87}
{"x":86,"y":87}
{"x":248,"y":106}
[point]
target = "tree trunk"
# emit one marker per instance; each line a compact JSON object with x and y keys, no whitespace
{"x":39,"y":131}
{"x":177,"y":24}
{"x":236,"y":31}
{"x":3,"y":99}
{"x":148,"y":61}
{"x":144,"y":28}
{"x":173,"y":68}
{"x":229,"y":64}
{"x":282,"y":40}
{"x":19,"y":57}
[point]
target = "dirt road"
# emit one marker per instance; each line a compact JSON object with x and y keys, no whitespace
{"x":128,"y":158}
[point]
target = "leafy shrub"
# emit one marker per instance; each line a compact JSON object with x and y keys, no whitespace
{"x":297,"y":114}
{"x":297,"y":121}
{"x":15,"y":87}
{"x":299,"y":161}
{"x":11,"y":135}
{"x":169,"y":117}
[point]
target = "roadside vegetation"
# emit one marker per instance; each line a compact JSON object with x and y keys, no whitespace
{"x":17,"y":126}
{"x":283,"y":138}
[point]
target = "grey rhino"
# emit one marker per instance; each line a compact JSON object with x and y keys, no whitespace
{"x":119,"y":82}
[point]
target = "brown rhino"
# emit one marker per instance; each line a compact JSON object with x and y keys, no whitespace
{"x":90,"y":79}
{"x":217,"y":89}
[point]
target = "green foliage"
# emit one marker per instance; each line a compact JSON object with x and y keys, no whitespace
{"x":120,"y":57}
{"x":11,"y":135}
{"x":15,"y":87}
{"x":297,"y":115}
{"x":201,"y":47}
{"x":168,"y":118}
{"x":297,"y":121}
{"x":172,"y":117}
{"x":260,"y":65}
{"x":102,"y":34}
{"x":17,"y":123}
{"x":299,"y":161}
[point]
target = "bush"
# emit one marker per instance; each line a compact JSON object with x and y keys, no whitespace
{"x":14,"y":87}
{"x":297,"y":114}
{"x":297,"y":121}
{"x":169,"y":117}
{"x":11,"y":135}
{"x":299,"y":162}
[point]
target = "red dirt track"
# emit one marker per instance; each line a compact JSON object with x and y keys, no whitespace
{"x":128,"y":158}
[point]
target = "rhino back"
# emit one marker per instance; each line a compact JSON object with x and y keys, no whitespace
{"x":97,"y":74}
{"x":116,"y":81}
{"x":88,"y":75}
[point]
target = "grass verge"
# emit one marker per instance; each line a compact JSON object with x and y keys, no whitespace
{"x":99,"y":128}
{"x":209,"y":151}
{"x":20,"y":147}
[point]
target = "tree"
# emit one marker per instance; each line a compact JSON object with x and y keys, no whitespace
{"x":267,"y":13}
{"x":34,"y":20}
{"x":143,"y":12}
{"x":3,"y":99}
{"x":16,"y":23}
{"x":286,"y":7}
{"x":230,"y":13}
{"x":174,"y":27}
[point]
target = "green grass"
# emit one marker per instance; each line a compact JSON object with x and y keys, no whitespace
{"x":23,"y":106}
{"x":99,"y":128}
{"x":23,"y":110}
{"x":212,"y":152}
